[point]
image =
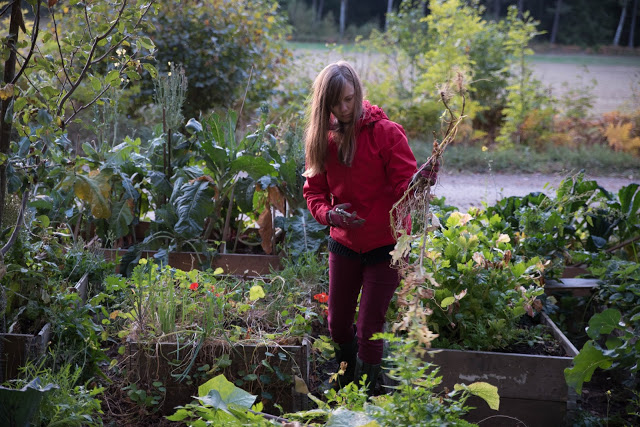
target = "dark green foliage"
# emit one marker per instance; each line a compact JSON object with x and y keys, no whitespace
{"x":222,"y":44}
{"x":65,"y":400}
{"x":304,"y":233}
{"x":19,"y":406}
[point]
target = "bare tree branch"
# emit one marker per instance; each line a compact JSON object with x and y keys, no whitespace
{"x":16,"y":230}
{"x":87,"y":105}
{"x":117,"y":45}
{"x":89,"y":61}
{"x":55,"y":32}
{"x":86,"y":18}
{"x":7,"y":7}
{"x":34,"y":39}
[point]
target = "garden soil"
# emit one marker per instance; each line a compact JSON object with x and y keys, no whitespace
{"x":471,"y":190}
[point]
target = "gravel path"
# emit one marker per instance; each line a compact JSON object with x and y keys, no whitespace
{"x":466,"y":190}
{"x":613,"y":85}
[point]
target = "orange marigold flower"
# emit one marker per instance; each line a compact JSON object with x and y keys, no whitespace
{"x":322,"y":297}
{"x":193,"y":286}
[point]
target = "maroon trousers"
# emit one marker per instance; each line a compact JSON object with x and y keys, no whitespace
{"x":347,"y":278}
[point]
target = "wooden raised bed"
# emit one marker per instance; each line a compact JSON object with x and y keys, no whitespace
{"x":276,"y":366}
{"x":16,"y":349}
{"x":532,"y":388}
{"x":234,"y":264}
{"x":576,"y":286}
{"x":82,"y":287}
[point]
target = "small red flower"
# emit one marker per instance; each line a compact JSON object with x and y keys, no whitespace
{"x":193,"y":286}
{"x":322,"y":297}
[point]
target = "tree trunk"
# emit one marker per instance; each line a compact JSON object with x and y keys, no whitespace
{"x":623,"y":15}
{"x":520,"y":7}
{"x":320,"y":9}
{"x":389,"y":10}
{"x":343,"y":17}
{"x":496,"y":10}
{"x":556,"y":21}
{"x":634,"y":13}
{"x":314,"y":9}
{"x":9,"y":74}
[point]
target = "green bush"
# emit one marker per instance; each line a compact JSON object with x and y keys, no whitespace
{"x":221,"y":43}
{"x":402,"y":46}
{"x":422,"y":53}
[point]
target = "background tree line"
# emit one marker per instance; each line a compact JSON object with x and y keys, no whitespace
{"x":569,"y":22}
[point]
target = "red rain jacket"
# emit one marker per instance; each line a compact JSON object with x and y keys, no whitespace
{"x":382,"y":167}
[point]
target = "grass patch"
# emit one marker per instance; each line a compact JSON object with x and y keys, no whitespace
{"x":584,"y":59}
{"x":324,"y":47}
{"x":596,"y":160}
{"x":549,"y":58}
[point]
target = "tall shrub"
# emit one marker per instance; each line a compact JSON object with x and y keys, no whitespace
{"x":528,"y":115}
{"x":402,"y":46}
{"x":423,"y":52}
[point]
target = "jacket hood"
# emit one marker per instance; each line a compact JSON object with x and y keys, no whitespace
{"x":371,"y":114}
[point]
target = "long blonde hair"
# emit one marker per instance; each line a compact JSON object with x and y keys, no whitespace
{"x":327,"y":89}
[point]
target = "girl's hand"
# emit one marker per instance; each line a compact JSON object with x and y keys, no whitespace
{"x":428,"y":172}
{"x":340,"y":218}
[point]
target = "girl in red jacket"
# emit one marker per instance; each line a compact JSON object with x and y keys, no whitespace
{"x":358,"y":164}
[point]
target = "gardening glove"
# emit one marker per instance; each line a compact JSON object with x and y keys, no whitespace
{"x":428,"y":172}
{"x":340,"y":218}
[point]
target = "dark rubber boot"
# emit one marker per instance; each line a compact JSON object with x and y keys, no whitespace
{"x":347,"y":352}
{"x":371,"y":371}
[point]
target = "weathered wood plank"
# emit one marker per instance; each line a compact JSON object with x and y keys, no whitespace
{"x":234,"y":264}
{"x":518,"y":413}
{"x":578,"y":287}
{"x":165,"y":362}
{"x":515,"y":375}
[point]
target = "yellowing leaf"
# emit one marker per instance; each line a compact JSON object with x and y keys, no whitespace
{"x":114,"y":314}
{"x":503,"y":238}
{"x":95,"y":190}
{"x":446,"y":302}
{"x":458,"y":219}
{"x":485,"y":391}
{"x":402,"y":248}
{"x":301,"y":386}
{"x":6,"y":92}
{"x":218,"y":271}
{"x":256,"y":292}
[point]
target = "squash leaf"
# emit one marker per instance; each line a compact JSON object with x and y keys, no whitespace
{"x":486,"y":391}
{"x":584,"y":365}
